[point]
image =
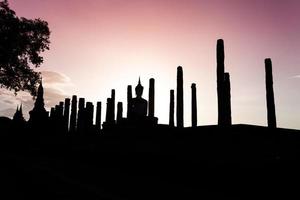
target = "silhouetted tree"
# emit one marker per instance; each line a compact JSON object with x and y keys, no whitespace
{"x":21,"y":42}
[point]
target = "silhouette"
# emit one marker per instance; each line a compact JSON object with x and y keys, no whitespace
{"x":134,"y":157}
{"x":98,"y":116}
{"x":223,"y":85}
{"x":137,"y":109}
{"x":73,"y":117}
{"x":18,"y":116}
{"x":110,"y":110}
{"x":179,"y":110}
{"x":227,"y":100}
{"x":194,"y":105}
{"x":129,"y":98}
{"x":151,"y":97}
{"x":18,"y":121}
{"x":66,"y":114}
{"x":119,"y":112}
{"x":31,"y":37}
{"x":113,"y":105}
{"x":171,"y":115}
{"x":270,"y":94}
{"x":88,"y":120}
{"x":38,"y":115}
{"x":80,"y":117}
{"x":220,"y":80}
{"x":140,"y":114}
{"x":138,"y":105}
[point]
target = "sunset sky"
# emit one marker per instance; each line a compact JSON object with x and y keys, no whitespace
{"x":98,"y":45}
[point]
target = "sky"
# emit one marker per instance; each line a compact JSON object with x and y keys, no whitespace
{"x":99,"y":45}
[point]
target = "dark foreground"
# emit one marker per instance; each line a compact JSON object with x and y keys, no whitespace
{"x":203,"y":163}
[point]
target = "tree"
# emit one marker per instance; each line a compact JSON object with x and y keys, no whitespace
{"x":21,"y":43}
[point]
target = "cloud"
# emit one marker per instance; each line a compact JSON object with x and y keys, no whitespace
{"x":55,"y":85}
{"x":55,"y":78}
{"x":293,"y":77}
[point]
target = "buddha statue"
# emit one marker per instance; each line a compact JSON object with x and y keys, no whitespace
{"x":138,"y":105}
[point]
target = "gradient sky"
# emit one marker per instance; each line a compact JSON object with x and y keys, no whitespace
{"x":97,"y":45}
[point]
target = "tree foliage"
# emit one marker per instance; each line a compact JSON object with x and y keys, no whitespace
{"x":21,"y":43}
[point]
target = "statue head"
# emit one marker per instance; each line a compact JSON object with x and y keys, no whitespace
{"x":139,"y":89}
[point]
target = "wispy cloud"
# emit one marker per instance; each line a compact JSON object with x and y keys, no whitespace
{"x":296,"y":76}
{"x":55,"y":85}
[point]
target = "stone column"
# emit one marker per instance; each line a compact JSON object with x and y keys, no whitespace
{"x":61,"y":110}
{"x":151,"y":97}
{"x":179,"y":110}
{"x":73,"y":116}
{"x":227,"y":100}
{"x":119,"y":112}
{"x":129,"y":98}
{"x":194,"y":105}
{"x":80,"y":119}
{"x":271,"y":114}
{"x":52,"y":113}
{"x":66,"y":114}
{"x":220,"y":80}
{"x":108,"y":111}
{"x":89,"y":117}
{"x":98,"y":116}
{"x":113,"y":103}
{"x":171,"y":114}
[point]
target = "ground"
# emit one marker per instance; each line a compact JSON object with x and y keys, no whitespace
{"x":209,"y":162}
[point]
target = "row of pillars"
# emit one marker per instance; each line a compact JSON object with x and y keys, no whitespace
{"x":223,"y":94}
{"x":80,"y":120}
{"x":180,"y":103}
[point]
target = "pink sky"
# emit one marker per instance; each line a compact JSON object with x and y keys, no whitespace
{"x":97,"y":45}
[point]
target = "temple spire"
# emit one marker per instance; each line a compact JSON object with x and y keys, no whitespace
{"x":38,"y":115}
{"x":139,"y":89}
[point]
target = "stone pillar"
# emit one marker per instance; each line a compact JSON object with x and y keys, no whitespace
{"x":129,"y":98}
{"x":80,"y":119}
{"x":171,"y":114}
{"x":66,"y":114}
{"x":108,"y":118}
{"x":194,"y":105}
{"x":89,"y":117}
{"x":56,"y":119}
{"x":151,"y":97}
{"x":119,"y":112}
{"x":52,"y":113}
{"x":227,"y":100}
{"x":220,"y":80}
{"x":56,"y":112}
{"x":113,"y":103}
{"x":61,"y":110}
{"x":73,"y":116}
{"x":179,"y":110}
{"x":98,"y":116}
{"x":271,"y":114}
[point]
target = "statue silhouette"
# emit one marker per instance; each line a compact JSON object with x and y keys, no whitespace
{"x":138,"y":104}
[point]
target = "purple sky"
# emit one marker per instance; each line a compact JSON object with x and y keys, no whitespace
{"x":97,"y":45}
